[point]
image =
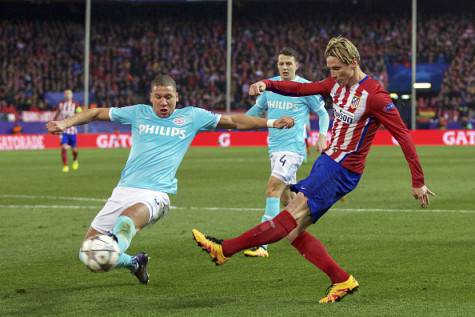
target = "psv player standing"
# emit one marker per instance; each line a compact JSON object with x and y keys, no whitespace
{"x":360,"y":106}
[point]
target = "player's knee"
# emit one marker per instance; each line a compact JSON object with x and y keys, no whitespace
{"x":285,"y":199}
{"x":270,"y":192}
{"x":291,"y":236}
{"x":274,"y":190}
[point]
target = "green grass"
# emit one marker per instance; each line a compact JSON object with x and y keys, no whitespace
{"x":408,"y":262}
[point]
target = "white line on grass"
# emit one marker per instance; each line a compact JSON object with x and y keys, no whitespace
{"x":55,"y":197}
{"x":102,"y":200}
{"x":345,"y":210}
{"x":47,"y":207}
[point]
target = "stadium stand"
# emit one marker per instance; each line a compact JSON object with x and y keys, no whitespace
{"x":41,"y":55}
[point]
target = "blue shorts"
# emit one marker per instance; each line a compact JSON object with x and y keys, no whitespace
{"x":69,"y":139}
{"x":326,"y":184}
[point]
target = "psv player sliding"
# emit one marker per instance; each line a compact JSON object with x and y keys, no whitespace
{"x":360,"y":105}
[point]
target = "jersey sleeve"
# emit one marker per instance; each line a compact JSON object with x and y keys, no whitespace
{"x":317,"y":105}
{"x":124,"y":115}
{"x":204,"y":119}
{"x":384,"y":110}
{"x":259,"y":108}
{"x":295,"y":89}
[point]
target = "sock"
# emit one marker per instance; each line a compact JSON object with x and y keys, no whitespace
{"x":314,"y":251}
{"x":64,"y":156}
{"x":124,"y":230}
{"x":272,"y":210}
{"x":75,"y":155}
{"x":126,"y":261}
{"x":264,"y":233}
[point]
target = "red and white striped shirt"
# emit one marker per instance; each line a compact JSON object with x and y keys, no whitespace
{"x":67,"y":109}
{"x":359,"y":111}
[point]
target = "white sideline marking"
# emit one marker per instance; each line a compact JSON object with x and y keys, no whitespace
{"x":47,"y":207}
{"x":55,"y":197}
{"x":343,"y":210}
{"x":102,"y":200}
{"x":338,"y":209}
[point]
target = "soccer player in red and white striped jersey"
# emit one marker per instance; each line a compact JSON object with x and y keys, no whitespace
{"x":67,"y":108}
{"x":360,"y":106}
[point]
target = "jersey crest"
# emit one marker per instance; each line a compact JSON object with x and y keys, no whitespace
{"x":355,"y":102}
{"x":179,"y":121}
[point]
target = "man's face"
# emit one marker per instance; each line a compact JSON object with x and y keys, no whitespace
{"x":163,"y":99}
{"x":341,"y":72}
{"x":68,"y":95}
{"x":287,"y":67}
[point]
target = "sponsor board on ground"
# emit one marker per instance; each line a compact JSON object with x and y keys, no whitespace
{"x":224,"y":139}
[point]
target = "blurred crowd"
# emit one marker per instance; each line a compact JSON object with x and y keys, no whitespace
{"x":127,"y":51}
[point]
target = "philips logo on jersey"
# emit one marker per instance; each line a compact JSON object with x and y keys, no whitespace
{"x":344,"y":115}
{"x":161,"y":130}
{"x":282,"y":105}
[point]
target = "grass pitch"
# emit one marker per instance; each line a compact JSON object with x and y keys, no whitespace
{"x":409,"y":262}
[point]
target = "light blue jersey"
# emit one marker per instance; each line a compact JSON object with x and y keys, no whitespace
{"x":276,"y":105}
{"x":159,"y":144}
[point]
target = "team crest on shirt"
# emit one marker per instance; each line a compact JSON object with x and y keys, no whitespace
{"x":179,"y":121}
{"x":355,"y":102}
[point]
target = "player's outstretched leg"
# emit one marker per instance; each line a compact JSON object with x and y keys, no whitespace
{"x":211,"y":245}
{"x":272,"y":209}
{"x":64,"y":158}
{"x":315,"y":252}
{"x":264,"y":233}
{"x":75,"y":165}
{"x":124,"y":230}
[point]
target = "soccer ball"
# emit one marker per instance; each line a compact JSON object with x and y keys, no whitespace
{"x":100,"y":253}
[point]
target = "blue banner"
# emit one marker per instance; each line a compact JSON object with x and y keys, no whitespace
{"x":400,"y":76}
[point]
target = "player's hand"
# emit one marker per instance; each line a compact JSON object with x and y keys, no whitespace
{"x":284,"y":123}
{"x":257,"y":88}
{"x":422,"y":194}
{"x":321,"y":143}
{"x":55,"y":127}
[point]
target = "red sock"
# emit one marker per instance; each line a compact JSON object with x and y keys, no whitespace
{"x":75,"y":155}
{"x":314,"y":251}
{"x":264,"y":233}
{"x":64,"y":156}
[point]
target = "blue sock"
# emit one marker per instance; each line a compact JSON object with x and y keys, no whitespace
{"x":124,"y":230}
{"x":272,"y":210}
{"x":126,"y":261}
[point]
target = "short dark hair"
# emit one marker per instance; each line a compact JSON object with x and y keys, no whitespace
{"x":287,"y":51}
{"x":163,"y":80}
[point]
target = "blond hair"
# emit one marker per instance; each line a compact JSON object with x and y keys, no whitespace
{"x":341,"y":48}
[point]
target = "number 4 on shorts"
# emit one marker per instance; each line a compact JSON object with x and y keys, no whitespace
{"x":282,"y":159}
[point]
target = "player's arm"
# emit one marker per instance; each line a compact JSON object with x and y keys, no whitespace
{"x":323,"y":123}
{"x":56,"y":114}
{"x":259,"y":108}
{"x":97,"y":114}
{"x":292,"y":88}
{"x":382,"y":107}
{"x":317,"y":105}
{"x":245,"y":122}
{"x":255,"y":111}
